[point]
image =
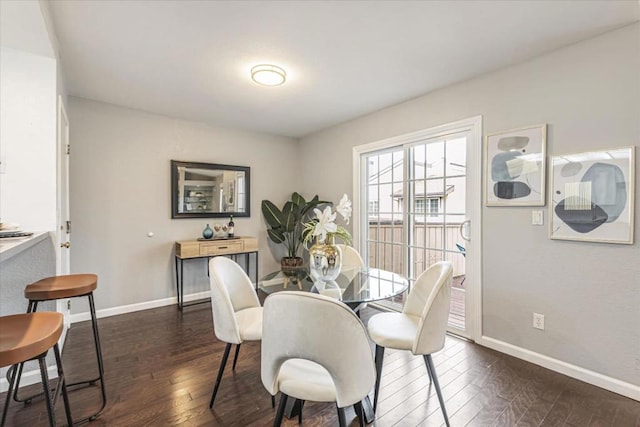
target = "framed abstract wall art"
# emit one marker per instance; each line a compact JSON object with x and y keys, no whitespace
{"x":592,"y":196}
{"x":515,"y":167}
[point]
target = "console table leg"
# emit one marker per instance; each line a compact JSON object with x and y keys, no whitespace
{"x":181,"y":293}
{"x":177,"y":282}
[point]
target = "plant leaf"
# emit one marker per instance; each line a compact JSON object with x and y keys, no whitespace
{"x":289,"y":216}
{"x":276,"y":236}
{"x":272,"y":215}
{"x":298,"y":199}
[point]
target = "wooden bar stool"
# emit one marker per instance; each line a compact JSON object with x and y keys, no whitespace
{"x":63,"y":287}
{"x":25,"y":337}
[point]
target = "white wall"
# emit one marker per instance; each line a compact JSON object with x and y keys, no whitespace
{"x":28,"y":139}
{"x":589,"y":95}
{"x":121,"y":189}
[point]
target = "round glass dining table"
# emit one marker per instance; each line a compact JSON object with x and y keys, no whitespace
{"x":354,"y":286}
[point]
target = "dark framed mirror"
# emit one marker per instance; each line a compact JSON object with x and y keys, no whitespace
{"x":209,"y":190}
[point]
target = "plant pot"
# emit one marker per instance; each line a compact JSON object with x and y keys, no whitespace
{"x":291,"y":265}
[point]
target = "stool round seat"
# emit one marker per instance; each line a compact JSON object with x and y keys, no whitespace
{"x":58,"y":287}
{"x":27,"y":336}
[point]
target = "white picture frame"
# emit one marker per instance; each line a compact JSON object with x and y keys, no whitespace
{"x":591,"y":196}
{"x":515,"y":167}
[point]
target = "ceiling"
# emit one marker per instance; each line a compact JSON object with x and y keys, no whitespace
{"x":344,"y":59}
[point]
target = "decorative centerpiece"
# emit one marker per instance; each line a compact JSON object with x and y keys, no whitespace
{"x":286,"y":227}
{"x":325,"y":258}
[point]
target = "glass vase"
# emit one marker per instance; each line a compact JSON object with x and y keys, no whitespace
{"x":207,"y":233}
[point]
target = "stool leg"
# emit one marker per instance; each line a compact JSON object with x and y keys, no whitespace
{"x":8,"y":398}
{"x":31,"y":308}
{"x":96,"y":339}
{"x":45,"y":387}
{"x":62,"y":383}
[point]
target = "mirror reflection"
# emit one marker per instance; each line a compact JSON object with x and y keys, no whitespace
{"x":207,"y":190}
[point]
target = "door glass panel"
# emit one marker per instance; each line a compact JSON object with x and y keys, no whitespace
{"x":456,"y":157}
{"x":435,"y":159}
{"x":457,"y":305}
{"x":456,"y":196}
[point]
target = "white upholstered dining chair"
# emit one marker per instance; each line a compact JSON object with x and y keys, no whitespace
{"x":420,"y":328}
{"x":315,"y":348}
{"x":351,"y":257}
{"x":237,"y":314}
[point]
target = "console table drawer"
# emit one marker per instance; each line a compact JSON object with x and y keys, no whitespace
{"x":221,"y":248}
{"x":202,"y":249}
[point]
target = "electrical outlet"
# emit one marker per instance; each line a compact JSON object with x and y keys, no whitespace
{"x":538,"y":321}
{"x":68,"y":304}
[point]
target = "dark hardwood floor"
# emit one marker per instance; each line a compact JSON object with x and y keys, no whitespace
{"x":161,"y":366}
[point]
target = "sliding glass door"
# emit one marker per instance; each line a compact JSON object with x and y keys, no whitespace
{"x":436,"y":200}
{"x":414,"y":198}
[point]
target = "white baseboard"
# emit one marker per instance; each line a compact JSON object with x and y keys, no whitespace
{"x":608,"y":383}
{"x":130,"y":308}
{"x":29,"y":377}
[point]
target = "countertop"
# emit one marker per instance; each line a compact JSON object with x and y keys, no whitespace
{"x":12,"y":246}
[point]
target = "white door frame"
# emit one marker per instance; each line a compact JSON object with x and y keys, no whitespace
{"x":63,"y":235}
{"x":473,"y":263}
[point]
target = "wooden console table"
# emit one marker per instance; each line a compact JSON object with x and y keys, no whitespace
{"x":193,"y":249}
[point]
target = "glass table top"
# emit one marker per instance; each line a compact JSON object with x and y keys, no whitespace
{"x":353,"y":286}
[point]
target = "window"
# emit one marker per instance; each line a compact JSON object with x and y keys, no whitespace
{"x":374,"y":207}
{"x":434,"y":206}
{"x":430,"y":206}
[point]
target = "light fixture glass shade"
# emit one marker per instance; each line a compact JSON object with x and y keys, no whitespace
{"x":268,"y":75}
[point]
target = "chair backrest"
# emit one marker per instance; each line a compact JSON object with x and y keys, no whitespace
{"x":302,"y":325}
{"x":231,"y":291}
{"x":351,"y":257}
{"x":429,"y":300}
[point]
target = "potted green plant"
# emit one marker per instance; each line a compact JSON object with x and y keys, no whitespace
{"x":286,"y":226}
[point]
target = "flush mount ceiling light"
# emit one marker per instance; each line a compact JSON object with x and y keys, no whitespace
{"x":268,"y":75}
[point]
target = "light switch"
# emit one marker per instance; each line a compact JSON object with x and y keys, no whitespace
{"x":537,"y":218}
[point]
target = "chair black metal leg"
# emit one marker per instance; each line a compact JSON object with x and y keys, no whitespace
{"x":223,"y":362}
{"x":342,"y":420}
{"x":280,"y":413}
{"x":300,"y":413}
{"x":432,"y":370}
{"x":45,"y":387}
{"x":12,"y":381}
{"x":359,"y":413}
{"x":379,"y":360}
{"x":235,"y":358}
{"x":62,"y":384}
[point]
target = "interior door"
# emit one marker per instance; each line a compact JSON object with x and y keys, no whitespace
{"x":63,"y":214}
